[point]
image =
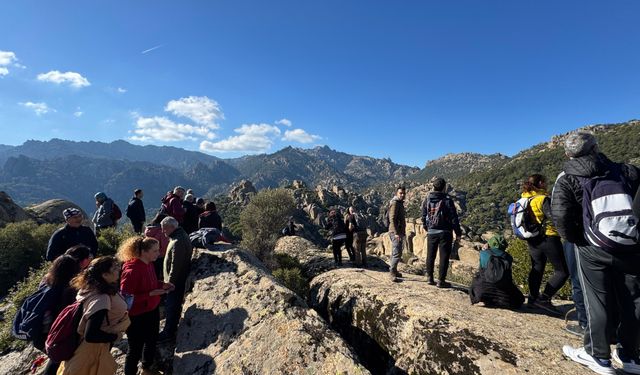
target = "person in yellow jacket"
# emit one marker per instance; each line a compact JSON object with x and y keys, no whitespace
{"x":546,"y":246}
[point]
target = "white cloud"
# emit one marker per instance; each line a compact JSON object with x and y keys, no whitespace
{"x":252,"y":138}
{"x":121,"y":90}
{"x":39,"y":108}
{"x":7,"y":58}
{"x":199,"y":109}
{"x":78,"y":113}
{"x":159,"y":128}
{"x":300,"y":136}
{"x":72,"y":78}
{"x":284,"y":121}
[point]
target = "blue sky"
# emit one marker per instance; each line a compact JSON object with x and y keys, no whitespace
{"x":409,"y":80}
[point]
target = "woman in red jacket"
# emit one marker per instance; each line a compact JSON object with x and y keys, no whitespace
{"x":139,"y":280}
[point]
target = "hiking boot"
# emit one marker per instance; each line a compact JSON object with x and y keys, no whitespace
{"x":600,"y":366}
{"x":575,"y":329}
{"x":431,"y":281}
{"x":628,"y":364}
{"x":547,"y":306}
{"x":398,"y":274}
{"x":393,"y":277}
{"x":443,"y":284}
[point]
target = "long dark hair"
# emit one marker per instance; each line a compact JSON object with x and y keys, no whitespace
{"x":91,"y":278}
{"x":62,"y":270}
{"x":533,"y":182}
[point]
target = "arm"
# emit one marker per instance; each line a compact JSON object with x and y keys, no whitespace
{"x":566,"y":210}
{"x":393,"y":215}
{"x":425,"y":215}
{"x":455,"y":221}
{"x":636,"y":204}
{"x":94,"y":334}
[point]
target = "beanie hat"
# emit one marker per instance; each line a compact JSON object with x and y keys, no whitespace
{"x":498,"y":242}
{"x":579,"y":143}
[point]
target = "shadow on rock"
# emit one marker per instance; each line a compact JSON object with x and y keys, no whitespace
{"x":200,"y":328}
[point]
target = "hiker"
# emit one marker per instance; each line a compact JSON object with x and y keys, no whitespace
{"x":397,"y":231}
{"x":107,"y":213}
{"x":135,"y":211}
{"x":72,"y":234}
{"x":54,"y":294}
{"x":290,"y":228}
{"x":493,"y":283}
{"x":81,"y":254}
{"x":337,"y":231}
{"x":608,"y":259}
{"x":139,"y":280}
{"x":172,"y":204}
{"x":546,"y":246}
{"x":177,"y":264}
{"x":440,"y":220}
{"x":104,"y":319}
{"x":210,"y":217}
{"x":154,"y":230}
{"x":190,"y":221}
{"x":348,"y":242}
{"x":358,"y":231}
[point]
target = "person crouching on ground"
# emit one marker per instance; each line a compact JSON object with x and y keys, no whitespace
{"x":139,"y":280}
{"x":104,"y":319}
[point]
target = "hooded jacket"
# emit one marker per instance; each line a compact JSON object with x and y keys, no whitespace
{"x":566,"y":197}
{"x":138,"y":279}
{"x":172,"y":206}
{"x":102,"y":216}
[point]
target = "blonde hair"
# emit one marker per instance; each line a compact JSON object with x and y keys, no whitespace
{"x":133,"y":247}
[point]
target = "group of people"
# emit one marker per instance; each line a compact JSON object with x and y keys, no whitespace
{"x":122,"y":293}
{"x":350,"y":231}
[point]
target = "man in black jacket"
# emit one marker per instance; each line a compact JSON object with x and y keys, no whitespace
{"x":72,"y":234}
{"x":440,"y":220}
{"x":609,"y":277}
{"x":135,"y":211}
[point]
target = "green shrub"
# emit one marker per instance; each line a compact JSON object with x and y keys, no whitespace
{"x":522,"y":265}
{"x":110,"y":239}
{"x":263,"y":218}
{"x":14,"y":300}
{"x":22,"y":246}
{"x":293,"y":279}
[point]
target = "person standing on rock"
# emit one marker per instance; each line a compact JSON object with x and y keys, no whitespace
{"x":359,"y":235}
{"x":177,"y":264}
{"x":608,"y":268}
{"x":172,"y":204}
{"x":139,"y":280}
{"x":348,"y":242}
{"x":72,"y":234}
{"x":397,"y":231}
{"x":338,"y":233}
{"x":135,"y":211}
{"x":440,"y":220}
{"x":103,"y":217}
{"x":545,"y":246}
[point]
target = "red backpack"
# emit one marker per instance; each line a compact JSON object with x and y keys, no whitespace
{"x":63,"y":338}
{"x":116,"y":213}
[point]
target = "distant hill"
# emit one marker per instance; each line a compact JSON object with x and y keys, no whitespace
{"x":452,"y":167}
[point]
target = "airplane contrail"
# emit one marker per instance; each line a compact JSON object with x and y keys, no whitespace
{"x":152,"y":48}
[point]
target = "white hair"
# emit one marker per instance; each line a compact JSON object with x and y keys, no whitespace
{"x":169,"y":221}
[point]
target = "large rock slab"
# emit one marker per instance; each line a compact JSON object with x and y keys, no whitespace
{"x":10,"y":212}
{"x":51,"y":212}
{"x":238,"y":319}
{"x":410,"y":327}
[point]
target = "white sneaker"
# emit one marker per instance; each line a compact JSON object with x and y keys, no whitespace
{"x":630,"y":365}
{"x":600,"y":366}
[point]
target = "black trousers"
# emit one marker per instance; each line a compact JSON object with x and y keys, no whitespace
{"x":336,"y":246}
{"x":348,"y":244}
{"x":611,"y":293}
{"x":143,"y":336}
{"x":439,"y":242}
{"x":543,"y":249}
{"x":137,"y":226}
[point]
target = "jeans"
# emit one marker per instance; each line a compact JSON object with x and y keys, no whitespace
{"x":576,"y":287}
{"x":439,"y":242}
{"x":396,"y":250}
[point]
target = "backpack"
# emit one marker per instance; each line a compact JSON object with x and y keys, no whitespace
{"x":523,"y":220}
{"x":498,"y":270}
{"x":29,"y":323}
{"x":608,"y":218}
{"x":116,"y":214}
{"x":338,"y":225}
{"x":63,"y":338}
{"x":385,"y":215}
{"x":435,"y":214}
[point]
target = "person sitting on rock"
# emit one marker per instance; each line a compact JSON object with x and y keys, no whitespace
{"x":72,"y":234}
{"x":290,"y":229}
{"x":210,"y":217}
{"x":337,"y":231}
{"x":493,"y":283}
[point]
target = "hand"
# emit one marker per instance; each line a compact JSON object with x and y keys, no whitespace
{"x":158,"y":292}
{"x":168,"y":286}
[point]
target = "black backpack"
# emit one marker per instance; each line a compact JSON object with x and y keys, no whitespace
{"x":498,"y":270}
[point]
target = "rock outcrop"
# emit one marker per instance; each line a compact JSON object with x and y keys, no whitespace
{"x":238,"y":320}
{"x":51,"y":212}
{"x":242,"y":192}
{"x":412,"y":328}
{"x":9,"y":211}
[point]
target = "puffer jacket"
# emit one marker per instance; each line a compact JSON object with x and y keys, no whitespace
{"x":566,"y":197}
{"x":541,"y":209}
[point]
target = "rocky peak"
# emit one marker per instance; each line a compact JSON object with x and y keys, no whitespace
{"x":242,"y":192}
{"x":9,"y":211}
